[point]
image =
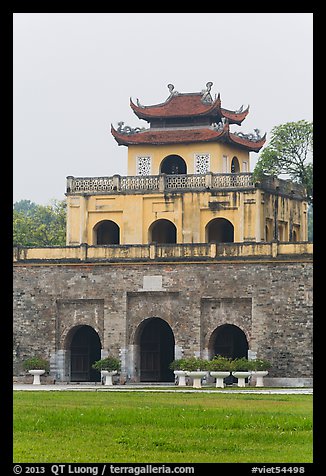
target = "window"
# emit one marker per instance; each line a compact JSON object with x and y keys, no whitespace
{"x":235,"y":167}
{"x":202,"y":163}
{"x":244,"y":166}
{"x":143,"y":165}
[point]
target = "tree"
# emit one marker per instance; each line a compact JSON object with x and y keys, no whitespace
{"x":289,"y":152}
{"x":39,"y":225}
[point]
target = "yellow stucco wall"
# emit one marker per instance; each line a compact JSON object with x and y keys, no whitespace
{"x":188,"y":152}
{"x":248,"y":211}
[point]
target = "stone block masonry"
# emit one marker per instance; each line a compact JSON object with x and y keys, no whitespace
{"x":270,"y":301}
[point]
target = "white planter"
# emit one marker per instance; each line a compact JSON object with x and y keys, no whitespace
{"x":196,"y":375}
{"x":108,"y":374}
{"x":220,"y":376}
{"x":36,"y":374}
{"x":241,"y":376}
{"x":181,"y":374}
{"x":260,"y":374}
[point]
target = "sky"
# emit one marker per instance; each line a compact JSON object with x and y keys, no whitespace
{"x":74,"y":75}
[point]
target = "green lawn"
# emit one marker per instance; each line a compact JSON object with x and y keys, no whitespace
{"x":143,"y":427}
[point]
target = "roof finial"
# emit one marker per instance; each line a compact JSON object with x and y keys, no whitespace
{"x":172,"y":91}
{"x":207,"y":98}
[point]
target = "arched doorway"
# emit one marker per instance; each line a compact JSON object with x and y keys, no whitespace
{"x":235,"y":166}
{"x":163,"y":231}
{"x":156,"y":347}
{"x":85,"y":348}
{"x":229,"y":341}
{"x":106,"y":232}
{"x":220,"y":230}
{"x":173,"y":164}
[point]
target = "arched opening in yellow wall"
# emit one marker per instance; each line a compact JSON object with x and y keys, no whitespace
{"x":106,"y":232}
{"x":235,"y":166}
{"x":162,"y":231}
{"x":219,"y":230}
{"x":173,"y":164}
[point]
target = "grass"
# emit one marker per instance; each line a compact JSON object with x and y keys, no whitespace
{"x":145,"y":427}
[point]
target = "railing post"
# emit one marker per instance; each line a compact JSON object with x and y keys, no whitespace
{"x":70,"y":181}
{"x":116,"y":182}
{"x":161,"y":183}
{"x":83,"y":251}
{"x":212,"y":249}
{"x":152,"y":251}
{"x":274,"y":249}
{"x":208,"y":180}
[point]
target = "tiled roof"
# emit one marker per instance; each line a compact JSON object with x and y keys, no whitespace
{"x":178,"y":136}
{"x":187,"y":105}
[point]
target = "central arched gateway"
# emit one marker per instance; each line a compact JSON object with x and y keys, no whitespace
{"x":156,"y":348}
{"x":85,"y":348}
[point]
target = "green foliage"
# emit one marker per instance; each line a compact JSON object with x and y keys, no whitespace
{"x":241,"y":365}
{"x":178,"y":364}
{"x":219,"y":363}
{"x":39,"y":225}
{"x":260,"y":364}
{"x":190,"y":364}
{"x":36,"y":363}
{"x":109,"y":363}
{"x":289,"y":152}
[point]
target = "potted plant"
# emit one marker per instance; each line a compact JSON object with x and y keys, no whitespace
{"x":260,"y":370}
{"x":36,"y":366}
{"x":179,"y":371}
{"x":195,"y":368}
{"x":241,"y":369}
{"x":219,"y":368}
{"x":108,"y":367}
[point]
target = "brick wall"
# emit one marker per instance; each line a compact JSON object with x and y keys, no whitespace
{"x":270,"y":301}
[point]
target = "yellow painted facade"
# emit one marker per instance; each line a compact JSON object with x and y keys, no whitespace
{"x":221,"y":156}
{"x":196,"y":191}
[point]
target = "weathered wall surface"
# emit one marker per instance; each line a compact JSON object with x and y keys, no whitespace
{"x":270,"y":301}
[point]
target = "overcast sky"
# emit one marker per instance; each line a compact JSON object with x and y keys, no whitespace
{"x":75,"y":72}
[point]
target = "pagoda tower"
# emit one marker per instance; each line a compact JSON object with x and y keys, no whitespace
{"x":188,"y":181}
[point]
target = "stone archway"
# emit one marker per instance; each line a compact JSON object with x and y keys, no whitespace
{"x":229,"y":341}
{"x":84,"y":348}
{"x":155,"y":343}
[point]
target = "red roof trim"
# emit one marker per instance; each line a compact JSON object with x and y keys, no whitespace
{"x":179,"y":105}
{"x":179,"y":136}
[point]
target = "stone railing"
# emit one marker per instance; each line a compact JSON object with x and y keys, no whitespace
{"x":184,"y":252}
{"x":157,"y":183}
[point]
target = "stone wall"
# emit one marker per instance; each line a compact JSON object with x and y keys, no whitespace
{"x":270,"y":301}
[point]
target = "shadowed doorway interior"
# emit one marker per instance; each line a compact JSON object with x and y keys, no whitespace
{"x":156,"y":351}
{"x":85,"y":349}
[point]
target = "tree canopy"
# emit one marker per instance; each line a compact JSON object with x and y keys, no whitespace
{"x":289,"y":152}
{"x":39,"y":225}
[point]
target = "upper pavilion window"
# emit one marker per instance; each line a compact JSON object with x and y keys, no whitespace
{"x":235,"y":167}
{"x":143,"y":165}
{"x":173,"y":164}
{"x":202,"y":163}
